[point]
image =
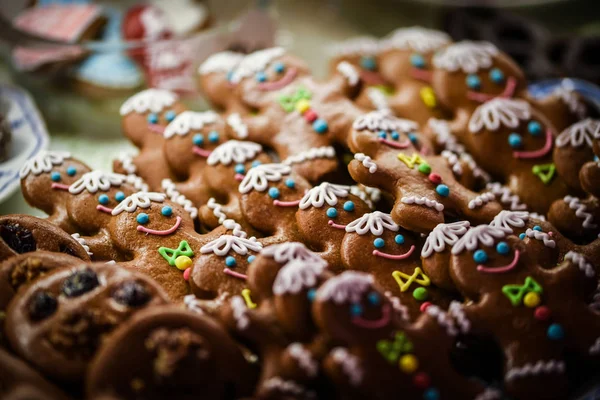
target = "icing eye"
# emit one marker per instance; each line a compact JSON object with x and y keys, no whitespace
{"x":378,"y":243}
{"x":279,"y":67}
{"x":120,"y":196}
{"x":332,"y":212}
{"x":71,"y":171}
{"x":395,"y":135}
{"x":290,"y":183}
{"x":142,"y":218}
{"x":382,"y":134}
{"x":166,"y":211}
{"x":480,"y":256}
{"x":230,"y":261}
{"x":311,"y":294}
{"x":534,"y":128}
{"x":356,"y":310}
{"x":55,"y":176}
{"x":229,"y":76}
{"x":256,"y":163}
{"x":413,"y":138}
{"x":240,"y":169}
{"x":103,"y":199}
{"x":198,"y":139}
{"x":417,"y":61}
{"x":473,"y":82}
{"x":153,"y":118}
{"x":349,"y":206}
{"x":251,"y":258}
{"x":399,"y":239}
{"x":261,"y":76}
{"x":537,"y":228}
{"x":274,"y":192}
{"x":502,"y":248}
{"x":522,"y":236}
{"x":368,"y":62}
{"x":514,"y":140}
{"x":213,"y":136}
{"x":496,"y":76}
{"x":374,"y":298}
{"x":170,"y":115}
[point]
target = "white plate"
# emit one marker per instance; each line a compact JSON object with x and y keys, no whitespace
{"x":29,"y":136}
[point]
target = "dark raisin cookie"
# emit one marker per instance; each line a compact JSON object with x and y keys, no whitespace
{"x":62,"y":319}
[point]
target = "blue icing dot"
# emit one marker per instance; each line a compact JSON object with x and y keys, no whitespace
{"x":152,"y":118}
{"x":417,"y":61}
{"x":514,"y":140}
{"x":198,"y":139}
{"x":356,"y":310}
{"x":442,"y":190}
{"x":480,"y":256}
{"x":399,"y":239}
{"x":382,"y":134}
{"x":555,"y":332}
{"x":71,"y":171}
{"x":213,"y":136}
{"x":274,"y":192}
{"x":230,"y":261}
{"x":170,"y":115}
{"x":166,"y":211}
{"x":534,"y":128}
{"x":142,"y":218}
{"x":55,"y":176}
{"x":240,"y":169}
{"x":431,"y":394}
{"x":502,"y":248}
{"x":537,"y":228}
{"x":522,"y":236}
{"x":378,"y":243}
{"x":279,"y":67}
{"x":349,"y":206}
{"x":373,"y":298}
{"x":332,"y":212}
{"x":496,"y":76}
{"x":320,"y":126}
{"x":473,"y":82}
{"x":103,"y":199}
{"x":290,"y":183}
{"x":251,"y":258}
{"x":368,"y":63}
{"x":413,"y":137}
{"x":261,"y":77}
{"x":395,"y":135}
{"x":255,"y":163}
{"x":120,"y":196}
{"x":311,"y":294}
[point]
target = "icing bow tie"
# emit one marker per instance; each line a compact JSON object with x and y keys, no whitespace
{"x":288,"y":103}
{"x":515,"y":293}
{"x":391,"y":350}
{"x":171,"y":255}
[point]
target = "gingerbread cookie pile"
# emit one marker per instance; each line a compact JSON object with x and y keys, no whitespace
{"x":415,"y":226}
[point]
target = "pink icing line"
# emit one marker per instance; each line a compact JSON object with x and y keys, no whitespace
{"x":500,"y":270}
{"x":421,"y":74}
{"x":201,"y":152}
{"x":60,"y":186}
{"x":156,"y":128}
{"x":172,"y":229}
{"x":536,"y":153}
{"x":394,"y":256}
{"x":509,"y":91}
{"x":235,"y":274}
{"x":397,"y":145}
{"x":286,"y":203}
{"x":371,"y":78}
{"x":380,"y":323}
{"x":281,"y":83}
{"x":337,"y":226}
{"x":239,"y":177}
{"x":102,"y":208}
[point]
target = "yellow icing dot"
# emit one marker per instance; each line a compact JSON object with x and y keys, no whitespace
{"x":183,"y":262}
{"x":531,"y":299}
{"x":409,"y":363}
{"x":428,"y":97}
{"x":302,"y":105}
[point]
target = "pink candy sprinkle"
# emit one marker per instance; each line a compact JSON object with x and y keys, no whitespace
{"x":435,"y":178}
{"x":542,"y":313}
{"x":186,"y":273}
{"x":424,"y":306}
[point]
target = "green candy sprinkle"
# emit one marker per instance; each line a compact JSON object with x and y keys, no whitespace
{"x":424,"y":168}
{"x":420,"y":294}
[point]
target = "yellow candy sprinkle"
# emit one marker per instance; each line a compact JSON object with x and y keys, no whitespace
{"x":428,"y":97}
{"x":409,"y":363}
{"x":183,"y":262}
{"x":302,"y":105}
{"x":246,"y":295}
{"x":531,"y":299}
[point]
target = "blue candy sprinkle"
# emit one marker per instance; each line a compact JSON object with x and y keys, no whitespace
{"x":431,"y":394}
{"x":417,"y":61}
{"x":522,"y":236}
{"x":349,"y":206}
{"x":261,"y":76}
{"x":514,"y":140}
{"x":320,"y":126}
{"x":170,"y":115}
{"x":395,"y":135}
{"x":379,"y":243}
{"x":103,"y":199}
{"x":356,"y":310}
{"x":251,"y":258}
{"x":537,"y":228}
{"x":496,"y":76}
{"x":55,"y":176}
{"x":240,"y":169}
{"x":142,"y":218}
{"x":480,"y":256}
{"x":502,"y":248}
{"x":71,"y":171}
{"x":230,"y":261}
{"x":279,"y":67}
{"x":534,"y":128}
{"x":555,"y":332}
{"x":256,"y":163}
{"x":274,"y":192}
{"x":368,"y":63}
{"x":399,"y":239}
{"x":166,"y":211}
{"x":290,"y":183}
{"x":332,"y":212}
{"x":152,"y":118}
{"x":442,"y":190}
{"x":473,"y":82}
{"x":120,"y":196}
{"x":413,"y":137}
{"x":213,"y":136}
{"x":198,"y":139}
{"x":382,"y":134}
{"x":311,"y":294}
{"x":373,"y":298}
{"x":229,"y":76}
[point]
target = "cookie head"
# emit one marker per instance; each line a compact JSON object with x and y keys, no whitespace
{"x":266,"y":71}
{"x":468,"y":73}
{"x":380,"y":130}
{"x":512,"y":131}
{"x":351,"y":309}
{"x":222,"y":266}
{"x":190,"y":138}
{"x":214,"y":74}
{"x":147,"y":113}
{"x":270,"y":197}
{"x":47,"y":177}
{"x":362,"y":53}
{"x":62,"y":318}
{"x":375,"y":241}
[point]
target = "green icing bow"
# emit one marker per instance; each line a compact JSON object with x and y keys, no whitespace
{"x":171,"y":255}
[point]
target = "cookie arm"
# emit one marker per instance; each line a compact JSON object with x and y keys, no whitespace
{"x":102,"y":247}
{"x":346,"y":371}
{"x":346,"y":80}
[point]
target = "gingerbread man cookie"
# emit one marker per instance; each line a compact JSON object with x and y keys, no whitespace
{"x":63,"y":317}
{"x":423,"y":186}
{"x":298,"y":117}
{"x":213,"y":80}
{"x":145,"y":116}
{"x":166,"y":352}
{"x":380,"y":354}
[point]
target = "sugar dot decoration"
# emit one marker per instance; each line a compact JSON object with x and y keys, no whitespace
{"x":379,"y":243}
{"x":555,"y":332}
{"x":55,"y":176}
{"x":514,"y":140}
{"x":120,"y":196}
{"x":320,"y":126}
{"x":368,"y":63}
{"x":542,"y":313}
{"x":537,"y":228}
{"x":103,"y":199}
{"x":71,"y":171}
{"x":356,"y":310}
{"x":213,"y":136}
{"x":424,"y":168}
{"x":496,"y":76}
{"x":431,"y":394}
{"x":274,"y":193}
{"x":290,"y":183}
{"x":240,"y":169}
{"x":480,"y":256}
{"x":408,"y":363}
{"x":534,"y":128}
{"x":442,"y":190}
{"x":332,"y":212}
{"x":522,"y":236}
{"x":399,"y":239}
{"x":435,"y":178}
{"x":256,"y":163}
{"x":473,"y":82}
{"x":170,"y":115}
{"x":198,"y":139}
{"x":417,"y":61}
{"x":183,"y":262}
{"x":373,"y":298}
{"x":532,"y":300}
{"x":230,"y":261}
{"x":382,"y":134}
{"x":413,"y":137}
{"x":142,"y":218}
{"x":349,"y":206}
{"x":502,"y":248}
{"x":152,"y":118}
{"x":261,"y":76}
{"x":311,"y":294}
{"x":279,"y":67}
{"x":167,"y":211}
{"x":420,"y":294}
{"x":395,"y":135}
{"x":251,"y":258}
